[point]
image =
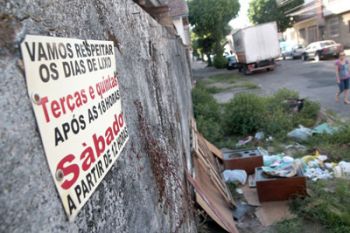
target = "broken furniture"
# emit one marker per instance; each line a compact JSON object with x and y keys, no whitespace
{"x":279,"y":188}
{"x":211,"y":192}
{"x":246,"y":160}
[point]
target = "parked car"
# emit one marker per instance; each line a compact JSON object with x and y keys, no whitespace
{"x":293,"y":51}
{"x":322,"y":49}
{"x":232,"y":62}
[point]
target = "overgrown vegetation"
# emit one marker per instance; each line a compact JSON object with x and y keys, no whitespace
{"x":287,"y":226}
{"x":336,"y":146}
{"x":207,"y":113}
{"x":248,"y":113}
{"x":328,"y":204}
{"x":327,"y":208}
{"x":227,"y":82}
{"x":220,"y":61}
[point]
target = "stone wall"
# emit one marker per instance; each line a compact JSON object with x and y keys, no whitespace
{"x":146,"y":190}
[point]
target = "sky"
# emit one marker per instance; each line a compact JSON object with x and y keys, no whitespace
{"x":241,"y":20}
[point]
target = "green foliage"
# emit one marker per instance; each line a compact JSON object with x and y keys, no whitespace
{"x":308,"y":115}
{"x":207,"y":113}
{"x":224,"y":78}
{"x":210,"y":19}
{"x":220,"y":61}
{"x":245,"y":114}
{"x":328,"y":204}
{"x":336,"y":145}
{"x":248,"y":113}
{"x":263,"y":11}
{"x":288,"y":226}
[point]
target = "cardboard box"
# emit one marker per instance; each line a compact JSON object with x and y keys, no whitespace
{"x":279,"y":189}
{"x":246,"y":160}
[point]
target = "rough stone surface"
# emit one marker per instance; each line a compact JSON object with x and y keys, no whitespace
{"x":145,"y":191}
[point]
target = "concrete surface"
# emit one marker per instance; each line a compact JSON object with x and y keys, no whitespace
{"x":313,"y":80}
{"x":145,"y":191}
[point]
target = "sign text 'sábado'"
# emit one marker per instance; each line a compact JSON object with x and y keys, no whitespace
{"x":74,"y":89}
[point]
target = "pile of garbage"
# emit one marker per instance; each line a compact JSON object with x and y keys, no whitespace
{"x":303,"y":133}
{"x":315,"y":167}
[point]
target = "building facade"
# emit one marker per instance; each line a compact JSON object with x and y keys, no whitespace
{"x":316,"y":20}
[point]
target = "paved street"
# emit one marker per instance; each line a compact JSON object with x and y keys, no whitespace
{"x":314,"y":80}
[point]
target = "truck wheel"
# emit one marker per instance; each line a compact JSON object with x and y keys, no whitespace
{"x":245,"y":70}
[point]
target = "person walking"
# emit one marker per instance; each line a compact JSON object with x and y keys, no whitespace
{"x":342,"y":72}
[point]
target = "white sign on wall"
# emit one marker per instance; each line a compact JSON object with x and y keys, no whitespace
{"x":74,"y":89}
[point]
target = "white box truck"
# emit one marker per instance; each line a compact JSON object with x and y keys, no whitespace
{"x":257,"y":47}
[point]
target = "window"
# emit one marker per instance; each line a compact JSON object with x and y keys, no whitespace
{"x":333,"y":26}
{"x":312,"y":33}
{"x":302,"y":33}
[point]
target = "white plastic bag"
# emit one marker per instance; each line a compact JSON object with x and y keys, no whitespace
{"x":235,"y":175}
{"x":302,"y":133}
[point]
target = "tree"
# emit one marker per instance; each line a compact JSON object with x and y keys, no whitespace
{"x":210,"y":19}
{"x":262,"y":11}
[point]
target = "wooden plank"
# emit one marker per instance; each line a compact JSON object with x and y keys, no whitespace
{"x":214,"y":150}
{"x":208,"y":210}
{"x":216,"y":181}
{"x":203,"y":152}
{"x":210,"y":200}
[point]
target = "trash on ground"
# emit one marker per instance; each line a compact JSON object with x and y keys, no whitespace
{"x":285,"y":167}
{"x":345,"y":169}
{"x":259,"y":136}
{"x":246,"y":160}
{"x":239,"y":191}
{"x":302,"y":133}
{"x":241,"y":210}
{"x":251,"y":181}
{"x":317,"y":173}
{"x":244,"y":141}
{"x":262,"y":151}
{"x":231,"y":176}
{"x":324,"y":128}
{"x":211,"y":192}
{"x":279,"y":188}
{"x":296,"y":105}
{"x":295,"y":147}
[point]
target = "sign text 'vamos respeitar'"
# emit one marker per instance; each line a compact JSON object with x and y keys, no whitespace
{"x":74,"y":89}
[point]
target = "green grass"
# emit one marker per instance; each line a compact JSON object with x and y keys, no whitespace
{"x":247,"y":85}
{"x":287,"y":226}
{"x":215,"y":89}
{"x":336,"y":146}
{"x":327,"y":208}
{"x":328,"y":205}
{"x":230,"y":81}
{"x":226,"y":78}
